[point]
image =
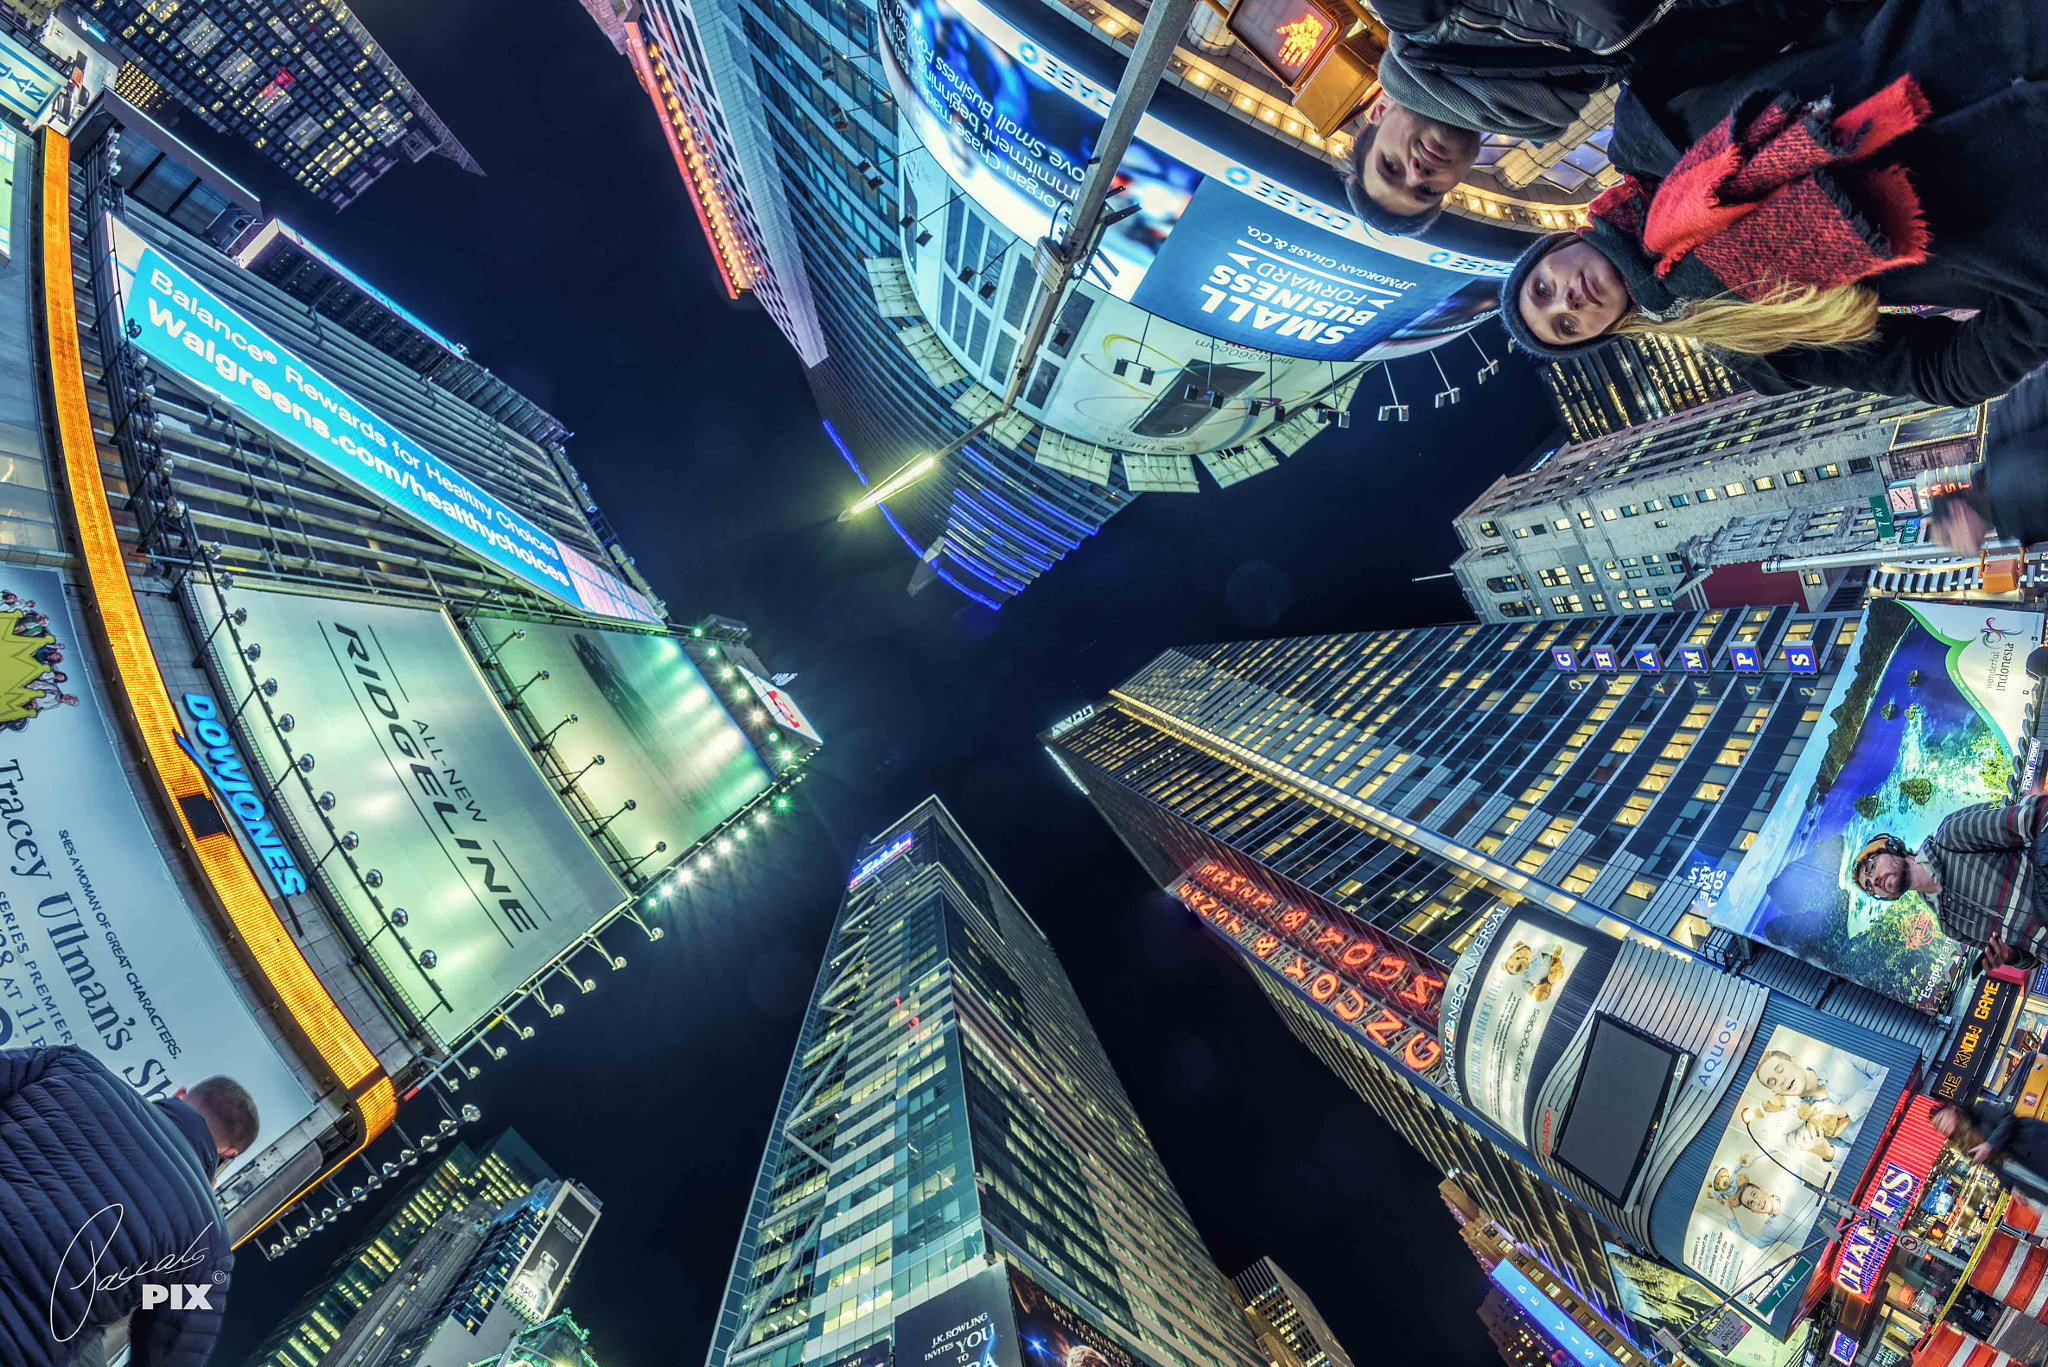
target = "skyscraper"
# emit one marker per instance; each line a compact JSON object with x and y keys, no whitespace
{"x":308,"y":87}
{"x":1636,"y":380}
{"x":465,"y":1187}
{"x":895,"y":249}
{"x":1272,"y":1300}
{"x":1350,"y":815}
{"x":1601,"y":526}
{"x":950,"y":1131}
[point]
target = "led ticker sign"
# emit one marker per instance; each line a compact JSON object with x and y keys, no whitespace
{"x":867,"y":867}
{"x":1376,"y":989}
{"x":1977,"y":1039}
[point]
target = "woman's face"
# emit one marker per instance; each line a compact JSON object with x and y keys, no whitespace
{"x":1762,"y":1202}
{"x":1945,"y":1121}
{"x":1572,"y":295}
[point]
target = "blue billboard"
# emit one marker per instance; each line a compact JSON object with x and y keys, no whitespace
{"x":188,"y":329}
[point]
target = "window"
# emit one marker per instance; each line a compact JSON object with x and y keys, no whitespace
{"x":1859,"y":465}
{"x":1734,"y":489}
{"x":1585,"y":518}
{"x":1795,"y":476}
{"x":1488,"y":529}
{"x":1828,"y":471}
{"x":1679,"y":500}
{"x":1563,"y":524}
{"x":1707,"y":495}
{"x":1537,"y":529}
{"x":1557,"y":603}
{"x":1653,"y":505}
{"x":1585,"y":574}
{"x":1608,"y":514}
{"x":1763,"y":482}
{"x":1629,"y":509}
{"x":1521,"y":531}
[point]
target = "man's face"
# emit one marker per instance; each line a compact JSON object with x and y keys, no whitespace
{"x":1885,"y":876}
{"x":1414,"y":160}
{"x":1757,"y":1199}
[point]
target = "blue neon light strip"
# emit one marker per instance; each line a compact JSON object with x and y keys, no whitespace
{"x":994,"y":491}
{"x":1552,"y":1319}
{"x":1077,"y":524}
{"x":1000,"y":511}
{"x":963,"y":512}
{"x":907,"y":539}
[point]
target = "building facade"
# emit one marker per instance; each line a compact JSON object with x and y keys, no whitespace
{"x":827,"y":181}
{"x":312,"y":90}
{"x":950,"y":1119}
{"x":1349,"y":815}
{"x":1637,"y":380}
{"x":1602,"y":526}
{"x":228,"y":474}
{"x":1280,"y":1309}
{"x":435,"y":1222}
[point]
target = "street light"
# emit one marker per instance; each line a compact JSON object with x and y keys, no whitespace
{"x":893,"y":485}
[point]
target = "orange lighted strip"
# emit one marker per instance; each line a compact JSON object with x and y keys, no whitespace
{"x":140,"y":683}
{"x":650,"y":81}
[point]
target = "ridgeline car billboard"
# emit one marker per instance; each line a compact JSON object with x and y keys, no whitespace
{"x":193,"y":333}
{"x":464,"y":832}
{"x":98,"y":947}
{"x":1924,"y":719}
{"x":1237,"y":251}
{"x":668,"y":742}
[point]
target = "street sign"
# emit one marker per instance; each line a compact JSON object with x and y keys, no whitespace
{"x":1883,"y":513}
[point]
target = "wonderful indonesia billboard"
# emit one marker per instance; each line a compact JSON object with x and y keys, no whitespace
{"x":1924,"y":719}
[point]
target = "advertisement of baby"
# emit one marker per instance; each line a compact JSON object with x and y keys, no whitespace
{"x":1796,"y":1118}
{"x":1513,"y":1001}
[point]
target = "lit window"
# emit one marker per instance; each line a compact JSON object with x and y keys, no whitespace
{"x":1734,"y":489}
{"x":1609,"y":514}
{"x":1763,"y":482}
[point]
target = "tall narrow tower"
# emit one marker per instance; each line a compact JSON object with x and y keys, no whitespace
{"x":953,"y":1152}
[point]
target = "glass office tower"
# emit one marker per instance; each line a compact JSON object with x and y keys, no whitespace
{"x":503,"y":1174}
{"x":950,"y":1110}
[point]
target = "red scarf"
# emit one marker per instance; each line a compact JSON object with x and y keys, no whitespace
{"x":1779,"y":193}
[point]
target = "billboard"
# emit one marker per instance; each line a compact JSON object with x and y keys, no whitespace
{"x":966,"y":1325}
{"x":194,"y":334}
{"x":780,"y":706}
{"x":469,"y":838}
{"x":98,"y":947}
{"x":1058,"y":1335}
{"x":1217,"y":245}
{"x":536,"y":1284}
{"x":253,"y":247}
{"x":1924,"y":718}
{"x":1789,"y":1138}
{"x":1657,"y":1296}
{"x":1513,"y":999}
{"x":668,"y":743}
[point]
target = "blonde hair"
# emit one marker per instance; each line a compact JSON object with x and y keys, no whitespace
{"x":1788,"y":316}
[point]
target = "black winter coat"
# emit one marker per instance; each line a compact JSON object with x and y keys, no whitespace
{"x":1527,"y":67}
{"x":2019,"y":1147}
{"x":80,"y":1149}
{"x":1983,"y":66}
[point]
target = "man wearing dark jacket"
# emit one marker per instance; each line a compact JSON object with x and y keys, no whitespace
{"x":107,"y":1210}
{"x":1455,"y":69}
{"x":2008,"y":492}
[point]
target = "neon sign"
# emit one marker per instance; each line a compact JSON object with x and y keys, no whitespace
{"x":1375,"y":988}
{"x":1068,"y":723}
{"x":867,"y":867}
{"x":1865,"y":1247}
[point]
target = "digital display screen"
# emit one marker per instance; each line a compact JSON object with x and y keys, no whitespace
{"x":1619,"y":1101}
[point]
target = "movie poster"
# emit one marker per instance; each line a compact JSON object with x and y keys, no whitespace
{"x":1054,"y":1334}
{"x":1655,"y":1295}
{"x":1924,"y":719}
{"x":1512,"y":1002}
{"x":1796,"y":1119}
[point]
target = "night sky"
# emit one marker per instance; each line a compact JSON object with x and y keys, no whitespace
{"x":577,"y":273}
